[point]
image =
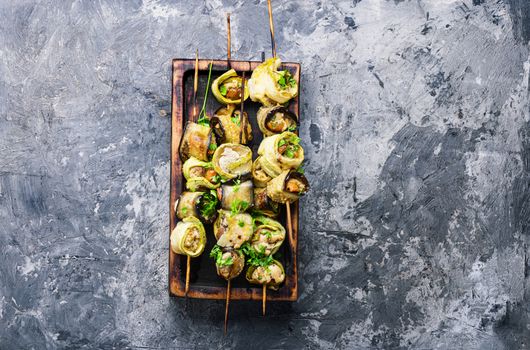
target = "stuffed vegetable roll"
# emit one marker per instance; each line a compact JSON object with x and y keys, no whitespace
{"x":227,"y":88}
{"x":227,"y":125}
{"x":280,"y":152}
{"x":259,"y":176}
{"x":268,"y":235}
{"x":200,"y":175}
{"x":197,"y":141}
{"x":275,"y":120}
{"x":232,"y":229}
{"x":229,"y":262}
{"x":202,"y":205}
{"x":188,"y":237}
{"x":287,"y":187}
{"x":263,"y":204}
{"x":271,"y":87}
{"x":271,"y":275}
{"x":231,"y":160}
{"x":234,"y":193}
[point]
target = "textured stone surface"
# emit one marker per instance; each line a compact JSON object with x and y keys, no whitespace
{"x":417,"y":131}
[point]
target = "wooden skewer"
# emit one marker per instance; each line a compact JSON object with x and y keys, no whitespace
{"x":227,"y":304}
{"x":264,"y":299}
{"x":271,"y":27}
{"x":289,"y":223}
{"x":242,"y":108}
{"x":195,"y":86}
{"x":187,"y":276}
{"x":228,"y":44}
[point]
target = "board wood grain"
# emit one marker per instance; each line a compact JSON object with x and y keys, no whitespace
{"x":204,"y":282}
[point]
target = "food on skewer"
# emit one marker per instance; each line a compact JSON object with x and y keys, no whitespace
{"x":280,"y":152}
{"x":233,"y":228}
{"x":275,"y":120}
{"x":228,"y":125}
{"x":270,"y":275}
{"x":227,"y":88}
{"x":268,"y":235}
{"x":200,"y":175}
{"x":263,"y":204}
{"x":259,"y":176}
{"x":231,"y":160}
{"x":188,"y":237}
{"x":287,"y":187}
{"x":229,"y":262}
{"x":202,"y":205}
{"x":271,"y":87}
{"x":236,"y":192}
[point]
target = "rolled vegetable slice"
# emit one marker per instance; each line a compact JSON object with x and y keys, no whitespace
{"x":275,"y":120}
{"x":232,"y":230}
{"x":234,"y":194}
{"x":202,"y":205}
{"x":268,"y":235}
{"x":227,"y":88}
{"x":280,"y":152}
{"x":263,"y":204}
{"x":231,"y":160}
{"x":200,"y":175}
{"x":197,"y":141}
{"x":287,"y":187}
{"x":259,"y":176}
{"x":271,"y":275}
{"x":227,"y":125}
{"x":269,"y":86}
{"x":188,"y":237}
{"x":229,"y":262}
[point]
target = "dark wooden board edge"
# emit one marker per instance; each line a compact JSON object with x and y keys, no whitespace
{"x":289,"y":290}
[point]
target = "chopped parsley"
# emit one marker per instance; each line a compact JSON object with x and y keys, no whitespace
{"x":212,"y":146}
{"x":208,"y":204}
{"x":255,"y":258}
{"x":236,"y":120}
{"x":241,"y":223}
{"x":222,"y":90}
{"x":237,"y":185}
{"x":216,"y":178}
{"x":286,"y":80}
{"x":300,"y":170}
{"x":238,"y":206}
{"x":292,"y":128}
{"x":217,"y":254}
{"x":185,"y":210}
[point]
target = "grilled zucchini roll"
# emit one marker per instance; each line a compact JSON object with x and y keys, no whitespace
{"x":228,"y":125}
{"x":188,"y":237}
{"x":231,"y":160}
{"x":227,"y":88}
{"x":287,"y":187}
{"x":200,"y":175}
{"x":202,"y":205}
{"x":268,"y":235}
{"x":259,"y":176}
{"x":271,"y":275}
{"x":263,"y":204}
{"x":197,"y":141}
{"x":235,"y":193}
{"x":271,"y":87}
{"x":229,"y":262}
{"x":280,"y":152}
{"x":232,"y":229}
{"x":275,"y":120}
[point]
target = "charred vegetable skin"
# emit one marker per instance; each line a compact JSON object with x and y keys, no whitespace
{"x":271,"y":87}
{"x":227,"y":125}
{"x":188,"y":237}
{"x":263,"y":204}
{"x":236,"y":192}
{"x":200,"y":175}
{"x":280,"y":152}
{"x":287,"y":187}
{"x":202,"y":205}
{"x":227,"y":88}
{"x":275,"y":120}
{"x":197,"y":141}
{"x":229,"y":262}
{"x":232,"y":229}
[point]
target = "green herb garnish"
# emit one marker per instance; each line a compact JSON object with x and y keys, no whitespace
{"x":292,"y":128}
{"x":222,"y":90}
{"x":286,"y":79}
{"x":300,"y":170}
{"x":255,"y":258}
{"x":236,"y":120}
{"x":212,"y":147}
{"x":238,"y":206}
{"x":208,"y":204}
{"x":241,"y":223}
{"x":217,"y":254}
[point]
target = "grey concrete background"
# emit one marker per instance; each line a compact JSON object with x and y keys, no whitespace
{"x":417,"y":132}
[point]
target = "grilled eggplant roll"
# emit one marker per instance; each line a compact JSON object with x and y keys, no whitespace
{"x":263,"y":204}
{"x":275,"y":120}
{"x":232,"y":230}
{"x":259,"y":176}
{"x":235,"y":193}
{"x":197,"y":141}
{"x":268,"y":235}
{"x":271,"y":87}
{"x":271,"y":275}
{"x":231,"y":160}
{"x":229,"y":262}
{"x":227,"y":88}
{"x":188,"y":237}
{"x":200,"y":175}
{"x":202,"y":205}
{"x":287,"y":187}
{"x":227,"y":125}
{"x":280,"y":152}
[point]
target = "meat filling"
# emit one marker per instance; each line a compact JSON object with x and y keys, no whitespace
{"x":271,"y":274}
{"x":295,"y":186}
{"x":193,"y":239}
